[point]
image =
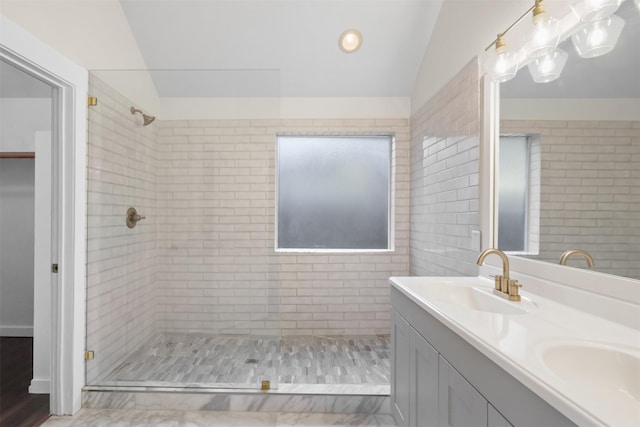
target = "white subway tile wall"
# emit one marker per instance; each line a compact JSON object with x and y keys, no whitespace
{"x":122,"y":285}
{"x":203,"y":260}
{"x":444,"y":178}
{"x":219,"y":272}
{"x":590,"y":197}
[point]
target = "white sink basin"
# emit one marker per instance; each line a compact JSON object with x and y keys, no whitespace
{"x":479,"y":299}
{"x":610,"y":374}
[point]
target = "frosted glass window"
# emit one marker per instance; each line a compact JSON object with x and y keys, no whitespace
{"x":333,"y":192}
{"x":513,"y":191}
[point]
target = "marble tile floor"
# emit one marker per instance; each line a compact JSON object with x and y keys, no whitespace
{"x":163,"y":418}
{"x":203,"y":360}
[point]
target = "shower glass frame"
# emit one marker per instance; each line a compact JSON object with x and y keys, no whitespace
{"x":186,"y":284}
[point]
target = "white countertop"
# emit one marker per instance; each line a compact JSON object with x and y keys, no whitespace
{"x":517,"y":342}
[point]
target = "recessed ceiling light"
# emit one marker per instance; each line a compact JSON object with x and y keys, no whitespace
{"x":350,"y":41}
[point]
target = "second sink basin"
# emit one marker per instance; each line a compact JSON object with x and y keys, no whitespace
{"x":479,"y":299}
{"x":610,"y":374}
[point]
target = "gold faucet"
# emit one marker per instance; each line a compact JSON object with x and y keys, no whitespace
{"x":565,"y":256}
{"x":504,"y":286}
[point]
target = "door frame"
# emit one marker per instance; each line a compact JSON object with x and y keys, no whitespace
{"x":69,"y":135}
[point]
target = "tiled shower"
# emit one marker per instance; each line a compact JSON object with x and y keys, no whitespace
{"x":201,"y":268}
{"x":199,"y":276}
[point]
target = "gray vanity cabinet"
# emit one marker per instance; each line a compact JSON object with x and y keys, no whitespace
{"x":446,"y":382}
{"x":423,"y":402}
{"x":414,"y":386}
{"x":401,"y":366}
{"x":495,"y":418}
{"x":460,"y":405}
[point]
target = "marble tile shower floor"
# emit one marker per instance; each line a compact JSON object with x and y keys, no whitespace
{"x":191,"y":360}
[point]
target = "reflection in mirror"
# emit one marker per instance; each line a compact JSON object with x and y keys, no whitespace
{"x":569,"y":166}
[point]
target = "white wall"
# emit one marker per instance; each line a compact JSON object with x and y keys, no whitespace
{"x":16,"y":246}
{"x":445,"y":179}
{"x":217,"y":268}
{"x":20,"y":119}
{"x":463,"y":30}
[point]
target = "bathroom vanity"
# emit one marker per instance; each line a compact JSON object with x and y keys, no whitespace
{"x":462,"y":356}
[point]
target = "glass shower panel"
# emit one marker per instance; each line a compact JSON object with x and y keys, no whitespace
{"x":188,"y":297}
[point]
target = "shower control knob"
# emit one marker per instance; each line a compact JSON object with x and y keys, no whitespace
{"x":133,"y":217}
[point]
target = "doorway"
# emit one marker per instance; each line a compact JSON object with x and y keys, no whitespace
{"x":26,"y":240}
{"x":65,"y":321}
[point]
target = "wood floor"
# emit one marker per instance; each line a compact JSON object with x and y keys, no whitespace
{"x":18,"y":408}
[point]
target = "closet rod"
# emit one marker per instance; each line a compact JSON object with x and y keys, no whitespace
{"x":17,"y":155}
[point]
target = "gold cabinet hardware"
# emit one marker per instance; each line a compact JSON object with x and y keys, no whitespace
{"x":88,"y":355}
{"x":92,"y":101}
{"x":266,"y":385}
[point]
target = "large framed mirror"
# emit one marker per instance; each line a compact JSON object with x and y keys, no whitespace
{"x":568,"y":169}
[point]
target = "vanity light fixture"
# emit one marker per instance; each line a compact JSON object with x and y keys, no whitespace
{"x":547,"y":68}
{"x":546,"y":32}
{"x":540,"y":52}
{"x":350,"y":41}
{"x":503,"y":66}
{"x":595,"y":10}
{"x":637,"y":2}
{"x":598,"y":38}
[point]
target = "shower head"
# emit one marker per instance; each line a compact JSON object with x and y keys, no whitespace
{"x":145,"y":118}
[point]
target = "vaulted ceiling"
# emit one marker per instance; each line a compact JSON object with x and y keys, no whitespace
{"x":281,"y":48}
{"x":242,"y":48}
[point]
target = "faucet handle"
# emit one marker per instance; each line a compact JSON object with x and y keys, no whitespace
{"x":497,"y":281}
{"x":514,"y":289}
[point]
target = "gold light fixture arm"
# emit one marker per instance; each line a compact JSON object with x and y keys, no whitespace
{"x":517,"y":21}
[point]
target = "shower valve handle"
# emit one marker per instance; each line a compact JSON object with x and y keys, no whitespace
{"x":133,"y":217}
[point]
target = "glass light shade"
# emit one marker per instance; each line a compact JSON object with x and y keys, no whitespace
{"x":637,"y":2}
{"x":598,"y":38}
{"x":594,"y":10}
{"x":545,"y":37}
{"x":547,"y":68}
{"x":503,"y":66}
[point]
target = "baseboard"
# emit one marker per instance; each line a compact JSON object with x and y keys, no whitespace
{"x":16,"y":331}
{"x":40,"y":386}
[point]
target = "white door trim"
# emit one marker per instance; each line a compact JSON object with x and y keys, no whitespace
{"x":42,"y":276}
{"x":70,"y":83}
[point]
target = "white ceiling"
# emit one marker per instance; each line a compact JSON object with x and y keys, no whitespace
{"x":246,"y":48}
{"x":99,"y":35}
{"x":267,"y":48}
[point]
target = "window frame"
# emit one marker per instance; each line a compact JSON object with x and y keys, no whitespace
{"x":390,"y":193}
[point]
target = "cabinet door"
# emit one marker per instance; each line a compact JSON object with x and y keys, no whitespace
{"x":424,"y":383}
{"x":495,"y":418}
{"x":460,"y":405}
{"x":400,"y":368}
